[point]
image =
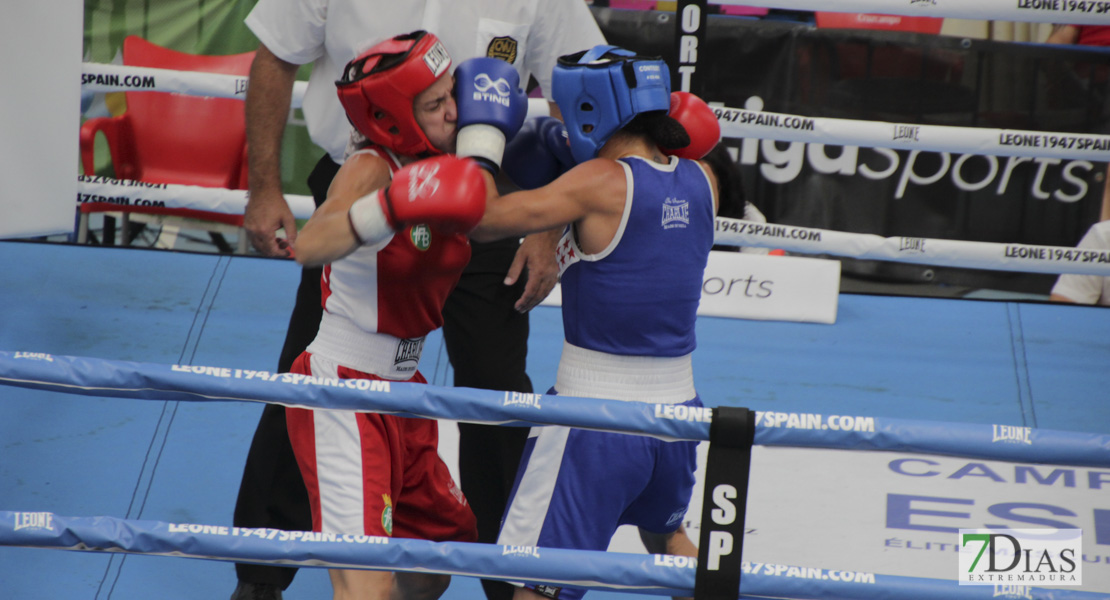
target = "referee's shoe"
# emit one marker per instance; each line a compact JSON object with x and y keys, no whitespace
{"x":256,"y":591}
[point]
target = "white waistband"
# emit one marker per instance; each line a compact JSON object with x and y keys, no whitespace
{"x":376,"y":353}
{"x":654,"y":379}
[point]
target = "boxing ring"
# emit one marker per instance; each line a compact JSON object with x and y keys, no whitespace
{"x":131,"y":382}
{"x":147,"y":476}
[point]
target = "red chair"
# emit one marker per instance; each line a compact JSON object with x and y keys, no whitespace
{"x":174,"y":138}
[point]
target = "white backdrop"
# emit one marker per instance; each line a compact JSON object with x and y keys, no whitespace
{"x":39,"y":116}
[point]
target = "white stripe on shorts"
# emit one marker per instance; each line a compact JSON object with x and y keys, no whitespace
{"x":339,"y":457}
{"x":526,"y":514}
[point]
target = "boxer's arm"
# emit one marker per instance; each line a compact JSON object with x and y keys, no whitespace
{"x":365,"y":207}
{"x":593,"y":188}
{"x":538,"y":154}
{"x":714,"y":184}
{"x":328,"y":236}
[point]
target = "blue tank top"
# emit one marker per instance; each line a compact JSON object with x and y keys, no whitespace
{"x":639,"y":296}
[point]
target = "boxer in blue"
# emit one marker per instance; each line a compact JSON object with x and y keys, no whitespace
{"x":640,"y":223}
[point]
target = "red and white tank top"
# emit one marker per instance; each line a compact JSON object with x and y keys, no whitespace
{"x":381,"y":300}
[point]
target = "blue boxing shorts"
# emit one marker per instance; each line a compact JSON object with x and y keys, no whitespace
{"x":575,"y":487}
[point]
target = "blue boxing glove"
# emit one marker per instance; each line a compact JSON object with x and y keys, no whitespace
{"x":491,"y":109}
{"x":539,"y":154}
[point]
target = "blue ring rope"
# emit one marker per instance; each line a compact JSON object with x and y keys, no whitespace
{"x":101,"y":378}
{"x":591,"y":570}
{"x":614,"y":571}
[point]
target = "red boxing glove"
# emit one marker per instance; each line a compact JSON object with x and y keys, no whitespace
{"x":445,"y":192}
{"x":700,"y":123}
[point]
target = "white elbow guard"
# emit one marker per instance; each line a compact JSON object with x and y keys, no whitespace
{"x":368,"y":220}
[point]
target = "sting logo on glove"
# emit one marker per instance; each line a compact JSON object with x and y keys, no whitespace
{"x":491,"y":109}
{"x":483,"y":83}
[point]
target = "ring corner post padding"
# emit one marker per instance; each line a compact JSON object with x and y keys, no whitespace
{"x":689,"y":39}
{"x":724,"y":502}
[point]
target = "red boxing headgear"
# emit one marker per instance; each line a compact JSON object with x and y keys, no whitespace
{"x":378,"y":87}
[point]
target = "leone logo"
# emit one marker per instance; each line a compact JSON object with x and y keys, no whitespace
{"x":503,"y":47}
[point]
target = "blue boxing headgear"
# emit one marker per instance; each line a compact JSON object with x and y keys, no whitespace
{"x":602,"y":89}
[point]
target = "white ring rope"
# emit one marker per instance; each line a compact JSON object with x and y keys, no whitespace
{"x":100,"y":77}
{"x":730,"y":232}
{"x":735,"y":122}
{"x":742,"y":123}
{"x":1024,"y":258}
{"x":1076,"y":12}
{"x":128,"y":192}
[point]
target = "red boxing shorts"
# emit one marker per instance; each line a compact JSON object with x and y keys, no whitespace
{"x":375,"y":474}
